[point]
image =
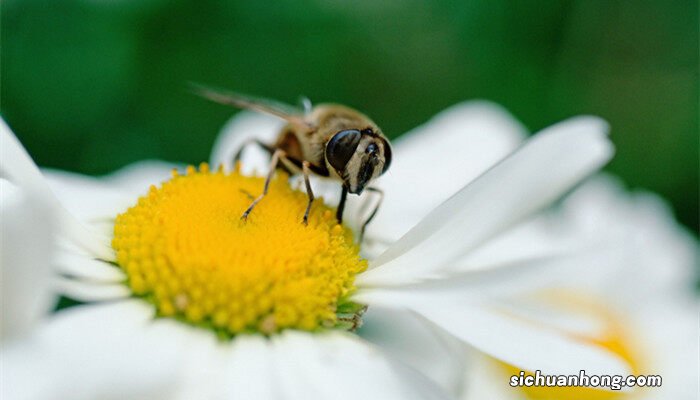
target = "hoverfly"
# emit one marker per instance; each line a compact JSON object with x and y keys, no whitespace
{"x":328,"y":140}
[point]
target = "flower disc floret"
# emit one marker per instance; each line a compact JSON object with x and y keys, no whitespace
{"x":185,"y":248}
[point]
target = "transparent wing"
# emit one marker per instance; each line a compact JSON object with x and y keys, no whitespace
{"x":287,"y":112}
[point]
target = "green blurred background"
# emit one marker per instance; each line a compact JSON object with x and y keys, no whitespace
{"x":93,"y":85}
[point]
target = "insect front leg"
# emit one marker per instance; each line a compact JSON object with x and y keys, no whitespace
{"x":273,"y":165}
{"x":374,"y":212}
{"x":307,"y":170}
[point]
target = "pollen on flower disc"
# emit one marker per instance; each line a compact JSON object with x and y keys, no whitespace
{"x":185,"y":248}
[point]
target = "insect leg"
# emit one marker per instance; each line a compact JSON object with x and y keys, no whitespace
{"x":354,"y":320}
{"x":309,"y":192}
{"x":273,"y":165}
{"x":247,"y":143}
{"x":341,"y":205}
{"x":374,"y":212}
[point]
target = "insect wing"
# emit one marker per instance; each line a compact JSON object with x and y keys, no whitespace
{"x":287,"y":112}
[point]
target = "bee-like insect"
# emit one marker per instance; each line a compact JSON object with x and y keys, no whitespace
{"x":328,"y":140}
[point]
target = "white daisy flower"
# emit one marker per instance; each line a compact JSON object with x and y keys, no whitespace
{"x":637,"y":299}
{"x":261,"y":309}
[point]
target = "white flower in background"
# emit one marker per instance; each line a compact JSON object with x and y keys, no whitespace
{"x":637,"y":297}
{"x":172,"y":245}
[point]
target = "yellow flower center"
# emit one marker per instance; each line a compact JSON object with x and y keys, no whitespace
{"x":185,"y":248}
{"x":610,"y":334}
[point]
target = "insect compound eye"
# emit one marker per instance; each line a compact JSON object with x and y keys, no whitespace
{"x":341,"y":147}
{"x":387,"y":156}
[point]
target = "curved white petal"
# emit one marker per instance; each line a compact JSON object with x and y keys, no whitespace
{"x":242,"y":127}
{"x":630,"y":237}
{"x":480,"y":286}
{"x":669,"y":335}
{"x":102,"y":351}
{"x":294,"y":365}
{"x":433,"y":161}
{"x":103,"y":198}
{"x":658,"y":270}
{"x":203,"y":364}
{"x":330,"y":365}
{"x":661,"y":256}
{"x":216,"y":369}
{"x":25,"y":372}
{"x":16,"y":165}
{"x":542,"y":237}
{"x":543,"y":169}
{"x":417,"y":343}
{"x":26,"y":229}
{"x":71,"y":356}
{"x":662,"y":341}
{"x":86,"y":268}
{"x":120,"y":318}
{"x":250,"y":369}
{"x":520,"y":332}
{"x":92,"y":242}
{"x":135,"y":179}
{"x":87,"y":198}
{"x":118,"y":350}
{"x":18,"y":168}
{"x":487,"y":379}
{"x":522,"y":342}
{"x":90,"y":291}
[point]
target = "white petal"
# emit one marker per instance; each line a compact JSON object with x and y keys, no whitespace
{"x":244,"y":126}
{"x":25,"y":372}
{"x":96,"y":200}
{"x":330,"y":365}
{"x":87,"y":268}
{"x":661,"y":255}
{"x":102,"y":352}
{"x":537,"y":238}
{"x":433,"y":161}
{"x":523,"y":343}
{"x":90,"y":291}
{"x":121,"y":317}
{"x":630,"y":237}
{"x":517,"y":332}
{"x":87,"y":198}
{"x":26,"y":229}
{"x":668,"y":332}
{"x":250,"y":370}
{"x":662,"y":336}
{"x":16,"y":165}
{"x":136,"y":178}
{"x":201,"y":374}
{"x":482,"y":285}
{"x":487,"y":379}
{"x":411,"y":340}
{"x":538,"y":173}
{"x":91,"y":241}
{"x":18,"y":168}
